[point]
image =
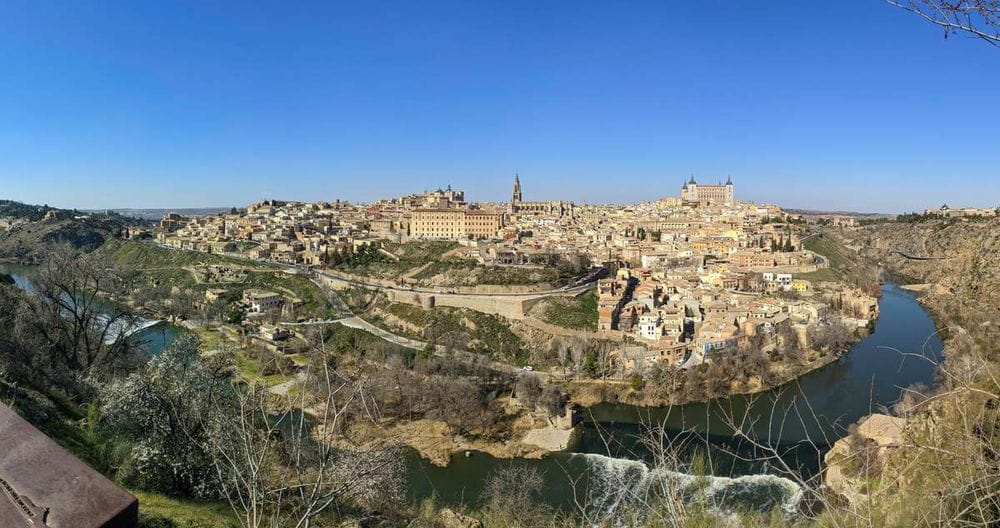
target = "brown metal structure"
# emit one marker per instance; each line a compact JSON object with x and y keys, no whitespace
{"x":44,"y":486}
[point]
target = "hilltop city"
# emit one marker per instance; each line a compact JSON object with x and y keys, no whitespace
{"x":441,"y":265}
{"x":680,"y":278}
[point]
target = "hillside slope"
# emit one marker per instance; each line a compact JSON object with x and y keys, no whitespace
{"x":31,"y":233}
{"x":941,"y":469}
{"x":963,"y":257}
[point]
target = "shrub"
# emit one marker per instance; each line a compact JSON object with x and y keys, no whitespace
{"x":166,"y":412}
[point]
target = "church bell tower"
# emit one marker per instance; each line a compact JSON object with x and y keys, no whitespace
{"x":515,"y":197}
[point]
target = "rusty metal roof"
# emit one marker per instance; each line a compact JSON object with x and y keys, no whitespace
{"x":43,"y":485}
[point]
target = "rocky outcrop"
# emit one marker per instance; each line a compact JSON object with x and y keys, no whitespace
{"x":552,"y":438}
{"x":453,"y":519}
{"x":884,"y":431}
{"x":966,"y":253}
{"x":855,"y":458}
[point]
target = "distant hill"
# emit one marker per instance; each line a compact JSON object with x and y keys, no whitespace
{"x":811,"y":212}
{"x":156,"y":214}
{"x":21,"y":211}
{"x":31,"y":233}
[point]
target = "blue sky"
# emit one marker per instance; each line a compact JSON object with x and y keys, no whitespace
{"x":835,"y":105}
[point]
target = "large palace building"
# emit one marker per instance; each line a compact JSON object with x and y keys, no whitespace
{"x":553,"y":208}
{"x":708,"y":194}
{"x":454,"y":224}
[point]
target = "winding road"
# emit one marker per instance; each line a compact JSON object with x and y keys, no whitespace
{"x":350,"y":319}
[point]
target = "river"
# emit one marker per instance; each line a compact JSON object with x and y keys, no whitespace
{"x":801,"y":419}
{"x":611,"y":462}
{"x":155,"y":337}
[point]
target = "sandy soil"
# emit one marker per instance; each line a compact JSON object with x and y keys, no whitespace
{"x":435,"y":440}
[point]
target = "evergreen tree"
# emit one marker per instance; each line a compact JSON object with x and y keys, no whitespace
{"x":590,"y":365}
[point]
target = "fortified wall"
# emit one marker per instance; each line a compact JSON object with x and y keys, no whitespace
{"x":513,"y":306}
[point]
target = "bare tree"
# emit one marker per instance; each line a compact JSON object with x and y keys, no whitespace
{"x":71,"y":316}
{"x":980,"y":18}
{"x":512,"y":498}
{"x":528,"y":389}
{"x":283,"y":465}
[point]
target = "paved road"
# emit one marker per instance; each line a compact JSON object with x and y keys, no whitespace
{"x":580,"y":286}
{"x":282,"y":389}
{"x":584,"y":285}
{"x":351,"y":320}
{"x":361,"y":324}
{"x":311,"y":323}
{"x":464,"y":356}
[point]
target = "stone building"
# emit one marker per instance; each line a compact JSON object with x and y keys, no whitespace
{"x":551,"y":208}
{"x":720,"y":194}
{"x":261,"y":301}
{"x":944,"y":210}
{"x":454,"y":224}
{"x":439,"y":199}
{"x":172,"y":221}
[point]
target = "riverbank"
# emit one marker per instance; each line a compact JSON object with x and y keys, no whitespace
{"x":529,"y":436}
{"x":820,"y":406}
{"x":588,"y":393}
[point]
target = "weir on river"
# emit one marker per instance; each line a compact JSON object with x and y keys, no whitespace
{"x":122,"y":328}
{"x":610,"y":467}
{"x":156,"y":334}
{"x":802,"y":419}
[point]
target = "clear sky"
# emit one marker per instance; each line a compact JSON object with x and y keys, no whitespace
{"x":848,"y":104}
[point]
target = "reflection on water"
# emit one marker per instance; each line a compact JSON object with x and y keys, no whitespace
{"x":155,"y":337}
{"x":800,"y":419}
{"x":158,"y":337}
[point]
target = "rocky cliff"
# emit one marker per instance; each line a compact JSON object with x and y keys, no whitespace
{"x":941,"y":467}
{"x":30,"y":240}
{"x":963,"y":256}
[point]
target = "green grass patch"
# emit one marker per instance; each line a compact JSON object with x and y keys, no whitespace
{"x":419,"y":252}
{"x":821,"y":275}
{"x":829,"y":248}
{"x":409,"y":313}
{"x":466,"y":272}
{"x":211,"y":338}
{"x":845,"y":265}
{"x":250,"y":369}
{"x":184,"y":513}
{"x":147,"y":255}
{"x":578,"y":313}
{"x":411,"y":255}
{"x":165,"y":265}
{"x":464,"y":329}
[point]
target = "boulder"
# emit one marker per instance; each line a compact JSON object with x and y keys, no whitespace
{"x":453,"y":519}
{"x":885,"y":431}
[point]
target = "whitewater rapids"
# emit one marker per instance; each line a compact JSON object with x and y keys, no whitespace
{"x":621,"y":488}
